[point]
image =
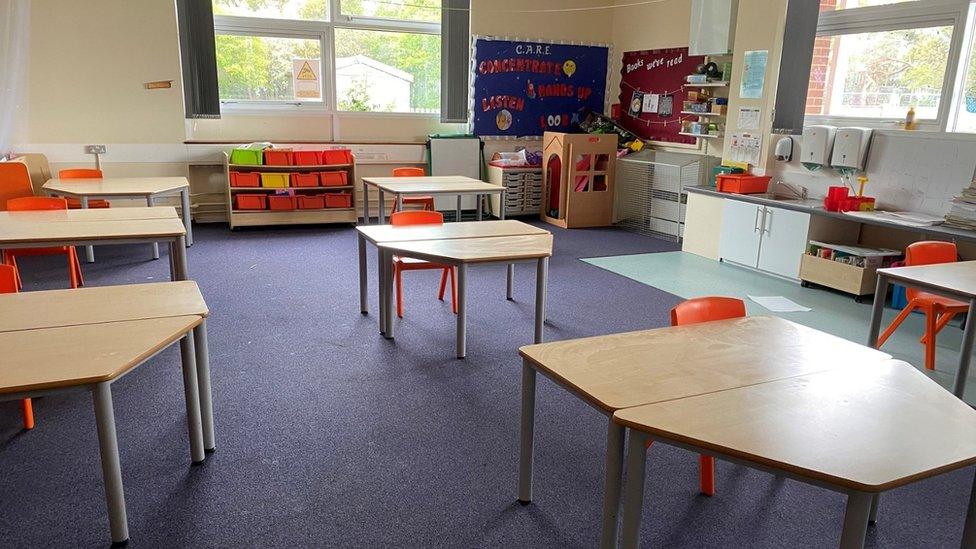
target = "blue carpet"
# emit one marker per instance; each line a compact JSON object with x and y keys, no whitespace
{"x":330,"y":436}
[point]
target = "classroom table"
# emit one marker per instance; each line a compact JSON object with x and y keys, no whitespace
{"x":858,"y":431}
{"x":953,"y":280}
{"x":80,"y":306}
{"x":45,"y":361}
{"x":100,"y":214}
{"x":376,"y":234}
{"x":16,"y":234}
{"x":428,"y":186}
{"x":146,"y":188}
{"x":460,"y":253}
{"x":624,"y":370}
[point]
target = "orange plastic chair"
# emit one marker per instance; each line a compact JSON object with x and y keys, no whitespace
{"x":8,"y":285}
{"x":401,"y":264}
{"x":43,"y":203}
{"x":693,"y":311}
{"x":938,"y":310}
{"x":15,"y":182}
{"x":83,"y":173}
{"x":426,"y":201}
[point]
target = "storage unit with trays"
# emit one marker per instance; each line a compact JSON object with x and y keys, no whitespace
{"x":523,"y":190}
{"x":286,"y":187}
{"x":849,"y":268}
{"x":577,"y":179}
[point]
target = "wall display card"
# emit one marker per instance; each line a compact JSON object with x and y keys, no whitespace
{"x":636,"y":103}
{"x":659,"y":75}
{"x":746,"y":147}
{"x":523,"y":88}
{"x":651,"y":101}
{"x":748,"y":118}
{"x":753,"y":74}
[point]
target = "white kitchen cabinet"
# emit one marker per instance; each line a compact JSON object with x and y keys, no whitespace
{"x":763,"y":237}
{"x":739,"y":241}
{"x":712,"y":27}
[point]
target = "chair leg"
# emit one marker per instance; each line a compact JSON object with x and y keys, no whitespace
{"x":931,"y":319}
{"x":944,"y":319}
{"x":454,"y":298}
{"x":443,"y":288}
{"x":896,"y":322}
{"x":28,"y":411}
{"x":706,"y":475}
{"x":72,"y":273}
{"x":398,"y":280}
{"x":77,"y":266}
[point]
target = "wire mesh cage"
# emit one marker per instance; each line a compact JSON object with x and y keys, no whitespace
{"x":650,"y":197}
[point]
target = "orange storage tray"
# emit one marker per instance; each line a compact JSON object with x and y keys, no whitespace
{"x":307,"y":158}
{"x":282,"y":202}
{"x":250,"y":202}
{"x":311,"y":202}
{"x":742,"y":183}
{"x":338,"y":200}
{"x":333,"y":179}
{"x":278,"y":157}
{"x":337,"y":156}
{"x":304,"y":180}
{"x":245,"y":179}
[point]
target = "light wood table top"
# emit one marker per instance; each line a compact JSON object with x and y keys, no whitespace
{"x":16,"y":232}
{"x":475,"y":250}
{"x":958,"y":278}
{"x":618,"y":371}
{"x":70,"y":356}
{"x":436,"y":184}
{"x":116,"y":186}
{"x":462,"y":229}
{"x":94,"y":305}
{"x":872,"y":427}
{"x":96,"y":214}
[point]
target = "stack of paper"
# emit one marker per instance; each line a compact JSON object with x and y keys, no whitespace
{"x":963,"y":211}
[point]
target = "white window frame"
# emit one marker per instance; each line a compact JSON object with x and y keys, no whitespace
{"x":324,"y":32}
{"x":907,"y":15}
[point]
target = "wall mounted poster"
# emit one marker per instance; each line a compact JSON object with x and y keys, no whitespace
{"x":659,"y":73}
{"x":523,"y":88}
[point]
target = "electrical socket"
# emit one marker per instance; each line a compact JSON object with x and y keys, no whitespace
{"x":94,"y":149}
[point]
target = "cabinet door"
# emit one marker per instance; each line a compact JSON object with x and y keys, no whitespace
{"x":784,"y":241}
{"x":741,"y":230}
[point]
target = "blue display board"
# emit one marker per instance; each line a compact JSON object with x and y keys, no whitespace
{"x":525,"y":88}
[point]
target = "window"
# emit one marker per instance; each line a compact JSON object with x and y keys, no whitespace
{"x":372,"y":56}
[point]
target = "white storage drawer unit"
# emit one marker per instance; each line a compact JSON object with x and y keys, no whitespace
{"x":523,"y":190}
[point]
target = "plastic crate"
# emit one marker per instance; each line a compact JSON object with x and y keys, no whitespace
{"x":337,"y":156}
{"x":333,"y":179}
{"x":742,"y":183}
{"x":274,"y":180}
{"x":338,"y":200}
{"x":282,"y":202}
{"x":304,"y":180}
{"x":311,"y":202}
{"x":245,"y":179}
{"x":251,"y":202}
{"x":307,"y":158}
{"x":278,"y":157}
{"x":249,"y":157}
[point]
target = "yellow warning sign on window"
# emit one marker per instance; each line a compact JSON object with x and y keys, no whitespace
{"x":306,"y":82}
{"x":306,"y":72}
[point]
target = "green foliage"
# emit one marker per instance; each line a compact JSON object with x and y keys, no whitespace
{"x":357,"y":99}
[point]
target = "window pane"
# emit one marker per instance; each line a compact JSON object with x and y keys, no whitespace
{"x":378,"y":71}
{"x":310,"y":10}
{"x":414,"y":10}
{"x":263,"y":68}
{"x":966,"y":111}
{"x":879,"y":74}
{"x":831,"y":5}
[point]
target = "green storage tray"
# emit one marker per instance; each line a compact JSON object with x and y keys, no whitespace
{"x":246,"y":157}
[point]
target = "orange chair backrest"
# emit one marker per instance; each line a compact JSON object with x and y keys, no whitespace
{"x":37,"y":203}
{"x":706,"y":309}
{"x":417,"y":217}
{"x":15,"y":182}
{"x":928,"y":252}
{"x":80,"y":173}
{"x":409,"y":172}
{"x":8,"y":279}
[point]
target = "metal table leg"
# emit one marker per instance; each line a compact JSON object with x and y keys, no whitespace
{"x":479,"y":198}
{"x":89,"y":250}
{"x":399,"y":202}
{"x":855,"y":520}
{"x":613,"y":474}
{"x":178,"y":249}
{"x":388,"y":294}
{"x":150,"y":201}
{"x":191,"y":392}
{"x":526,"y":434}
{"x":462,"y":316}
{"x":365,"y":204}
{"x":966,"y":351}
{"x":877,"y":310}
{"x":969,"y":530}
{"x":510,"y":282}
{"x":203,"y":384}
{"x":187,"y":215}
{"x":108,"y":446}
{"x":381,"y":206}
{"x":634,"y":494}
{"x":380,"y":287}
{"x":501,"y":204}
{"x":875,"y":501}
{"x":363,"y":285}
{"x":541,"y":290}
{"x":458,"y":209}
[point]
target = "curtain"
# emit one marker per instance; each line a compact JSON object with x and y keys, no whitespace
{"x":14,"y":29}
{"x":198,"y":53}
{"x":455,"y":50}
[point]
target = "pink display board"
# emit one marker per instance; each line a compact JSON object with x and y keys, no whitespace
{"x":659,"y":74}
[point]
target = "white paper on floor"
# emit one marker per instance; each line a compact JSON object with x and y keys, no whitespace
{"x":779,"y":304}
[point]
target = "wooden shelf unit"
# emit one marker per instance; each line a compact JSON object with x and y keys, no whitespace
{"x":251,"y":218}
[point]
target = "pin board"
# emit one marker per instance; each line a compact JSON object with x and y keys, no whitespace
{"x":652,"y":92}
{"x":524,"y":88}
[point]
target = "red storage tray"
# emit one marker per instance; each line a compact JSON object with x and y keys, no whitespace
{"x":333,"y":179}
{"x":282,"y":202}
{"x":338,"y":200}
{"x":311,"y":202}
{"x":245,"y":179}
{"x":742,"y":183}
{"x":250,"y":202}
{"x":304,"y":180}
{"x":278,"y":157}
{"x":337,"y":156}
{"x":307,"y":158}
